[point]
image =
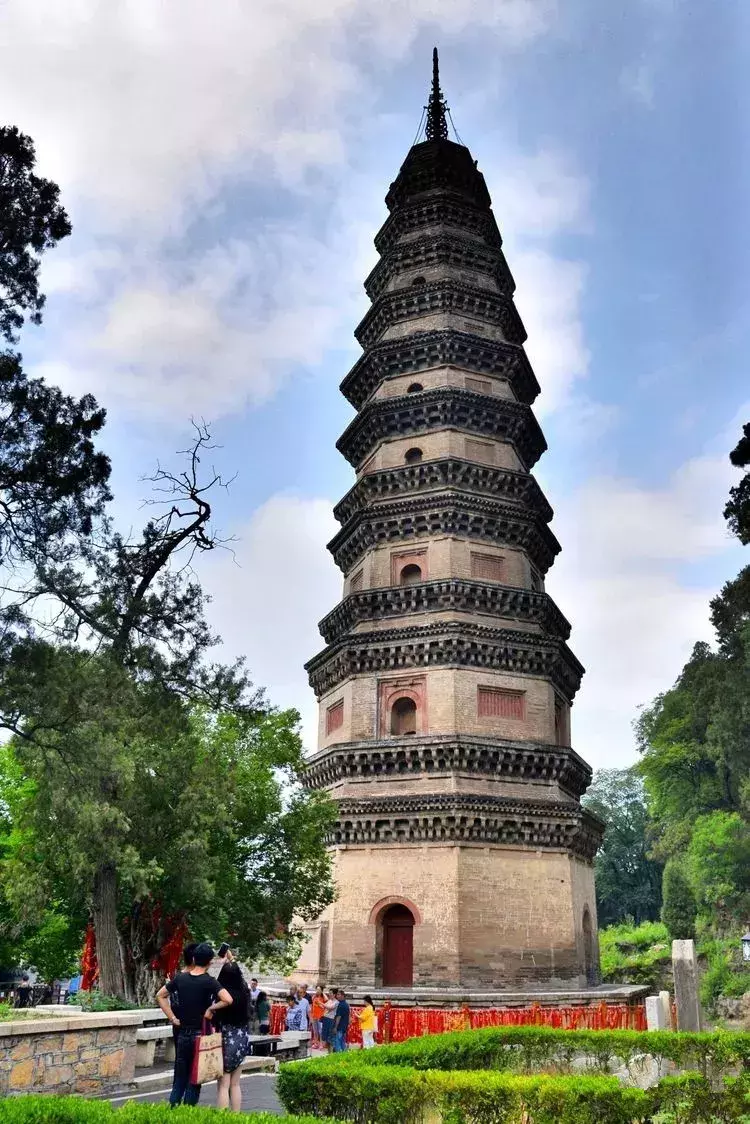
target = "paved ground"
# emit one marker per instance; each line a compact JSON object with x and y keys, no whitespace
{"x":258,"y":1094}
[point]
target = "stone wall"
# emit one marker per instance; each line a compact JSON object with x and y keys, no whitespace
{"x":85,"y":1054}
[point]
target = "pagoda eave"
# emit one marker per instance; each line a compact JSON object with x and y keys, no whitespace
{"x":443,"y":595}
{"x":505,"y":485}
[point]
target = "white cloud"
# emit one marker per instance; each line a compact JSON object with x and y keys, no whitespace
{"x":268,"y":599}
{"x":145,"y":107}
{"x":148,"y":115}
{"x":623,"y":581}
{"x":549,"y":300}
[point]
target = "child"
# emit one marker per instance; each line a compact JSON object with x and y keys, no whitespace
{"x":368,"y":1024}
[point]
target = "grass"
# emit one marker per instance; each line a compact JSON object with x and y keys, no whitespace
{"x":635,"y":953}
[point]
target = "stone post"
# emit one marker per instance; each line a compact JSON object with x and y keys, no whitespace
{"x":666,"y":1002}
{"x":655,"y":1019}
{"x":685,"y":968}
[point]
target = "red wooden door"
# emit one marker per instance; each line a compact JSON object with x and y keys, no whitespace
{"x":398,"y":947}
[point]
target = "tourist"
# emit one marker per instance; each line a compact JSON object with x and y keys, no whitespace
{"x":329,"y":1015}
{"x":304,"y":1005}
{"x":254,"y":992}
{"x":341,"y":1022}
{"x":293,"y":1014}
{"x":263,"y":1012}
{"x":235,"y":1034}
{"x":317,"y":1010}
{"x":198,"y":996}
{"x":23,"y":993}
{"x":174,"y":1002}
{"x":368,"y":1023}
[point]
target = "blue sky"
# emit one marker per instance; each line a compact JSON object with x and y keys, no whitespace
{"x":225,"y":167}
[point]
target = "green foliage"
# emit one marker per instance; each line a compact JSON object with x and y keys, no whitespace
{"x":635,"y":953}
{"x":205,"y":814}
{"x":718,"y":866}
{"x":94,"y":1001}
{"x":737,"y":511}
{"x":488,"y":1077}
{"x":628,"y":881}
{"x":725,"y":973}
{"x":695,"y":746}
{"x":32,"y":221}
{"x":679,"y":908}
{"x":75,"y":1110}
{"x":397,"y":1095}
{"x":530,"y":1049}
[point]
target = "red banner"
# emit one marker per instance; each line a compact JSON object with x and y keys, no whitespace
{"x":396,"y":1024}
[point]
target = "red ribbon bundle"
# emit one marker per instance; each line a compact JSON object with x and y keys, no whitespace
{"x":396,"y":1024}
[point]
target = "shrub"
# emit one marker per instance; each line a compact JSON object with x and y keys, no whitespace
{"x":526,"y":1049}
{"x":372,"y":1094}
{"x":75,"y":1110}
{"x":679,"y":908}
{"x":95,"y":1001}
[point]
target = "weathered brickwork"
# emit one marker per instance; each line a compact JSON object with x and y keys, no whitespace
{"x":76,"y":1058}
{"x":446,"y":682}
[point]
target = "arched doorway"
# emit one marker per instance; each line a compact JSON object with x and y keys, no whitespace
{"x":589,"y":963}
{"x":398,"y":946}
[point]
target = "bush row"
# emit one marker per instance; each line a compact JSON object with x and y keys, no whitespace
{"x":75,"y":1110}
{"x":372,"y":1094}
{"x":529,"y":1049}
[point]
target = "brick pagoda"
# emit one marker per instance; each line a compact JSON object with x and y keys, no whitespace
{"x":463,"y":857}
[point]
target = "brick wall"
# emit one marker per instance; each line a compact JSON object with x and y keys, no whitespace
{"x":435,"y":444}
{"x":441,"y":376}
{"x":447,"y":557}
{"x":450,"y":702}
{"x":441,"y":321}
{"x":511,"y":935}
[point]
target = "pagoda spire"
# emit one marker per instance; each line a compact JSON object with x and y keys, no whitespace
{"x":437,"y":124}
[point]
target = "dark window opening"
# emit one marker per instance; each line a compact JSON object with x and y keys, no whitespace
{"x":415,"y":386}
{"x":419,"y":280}
{"x":404,"y":717}
{"x":410,"y":574}
{"x":413,"y":456}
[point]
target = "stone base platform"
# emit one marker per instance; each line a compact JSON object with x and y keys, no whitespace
{"x":456,"y":997}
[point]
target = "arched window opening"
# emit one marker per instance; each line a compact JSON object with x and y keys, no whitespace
{"x":419,"y":280}
{"x":414,"y":388}
{"x":397,"y":935}
{"x":404,"y":717}
{"x":413,"y":456}
{"x":410,"y":574}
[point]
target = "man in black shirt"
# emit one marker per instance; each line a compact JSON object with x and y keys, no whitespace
{"x":198,"y":995}
{"x":174,"y":1001}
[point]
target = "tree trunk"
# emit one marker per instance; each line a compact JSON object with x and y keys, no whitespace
{"x":111,"y":975}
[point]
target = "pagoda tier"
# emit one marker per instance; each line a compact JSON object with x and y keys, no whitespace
{"x":462,"y":855}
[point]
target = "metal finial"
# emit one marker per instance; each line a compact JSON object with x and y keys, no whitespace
{"x":437,"y":124}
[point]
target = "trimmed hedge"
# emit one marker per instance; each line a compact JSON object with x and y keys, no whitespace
{"x":371,"y":1094}
{"x":435,"y":1078}
{"x":75,"y":1110}
{"x":529,"y":1049}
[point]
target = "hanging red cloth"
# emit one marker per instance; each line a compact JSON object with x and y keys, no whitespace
{"x":89,"y":965}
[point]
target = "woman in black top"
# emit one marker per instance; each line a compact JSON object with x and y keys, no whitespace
{"x":235,"y":1032}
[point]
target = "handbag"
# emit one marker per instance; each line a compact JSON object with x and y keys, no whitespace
{"x":208,"y":1059}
